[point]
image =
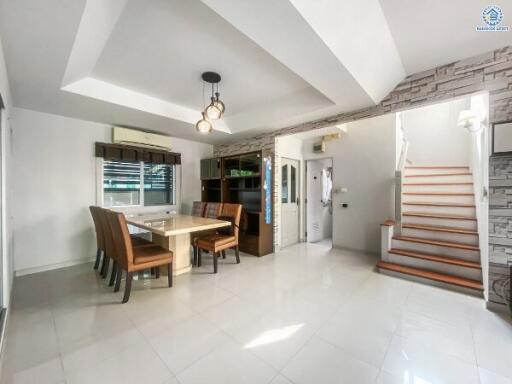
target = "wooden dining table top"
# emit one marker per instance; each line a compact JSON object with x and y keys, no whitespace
{"x":174,"y":224}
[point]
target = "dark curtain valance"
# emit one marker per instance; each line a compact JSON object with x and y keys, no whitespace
{"x":121,"y":152}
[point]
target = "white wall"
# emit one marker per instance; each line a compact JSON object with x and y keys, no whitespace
{"x":433,"y":135}
{"x":364,"y":161}
{"x":7,"y":254}
{"x":52,"y":226}
{"x":479,"y":155}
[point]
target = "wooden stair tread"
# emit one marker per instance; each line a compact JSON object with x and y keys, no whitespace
{"x":441,"y":174}
{"x":437,"y":166}
{"x":436,"y":276}
{"x":432,"y":204}
{"x":439,"y":184}
{"x":438,"y":193}
{"x":436,"y":258}
{"x":440,"y":243}
{"x":439,"y":216}
{"x":440,"y":228}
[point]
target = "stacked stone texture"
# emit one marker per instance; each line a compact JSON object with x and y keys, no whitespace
{"x":491,"y":72}
{"x":500,"y":228}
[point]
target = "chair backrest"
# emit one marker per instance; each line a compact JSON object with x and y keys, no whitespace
{"x":212,"y":210}
{"x":121,"y":238}
{"x":97,"y":227}
{"x":234,"y":211}
{"x":198,"y":208}
{"x":110,"y":249}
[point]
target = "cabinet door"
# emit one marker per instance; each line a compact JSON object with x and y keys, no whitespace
{"x":205,"y":169}
{"x":215,"y":168}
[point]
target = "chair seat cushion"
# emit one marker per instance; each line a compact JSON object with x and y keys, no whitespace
{"x":215,"y":241}
{"x":195,"y":236}
{"x":150,"y":254}
{"x":138,"y":241}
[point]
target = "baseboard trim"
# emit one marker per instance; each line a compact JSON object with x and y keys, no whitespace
{"x":495,"y":307}
{"x":51,"y":267}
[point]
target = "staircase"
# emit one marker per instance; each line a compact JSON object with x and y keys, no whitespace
{"x":438,"y":243}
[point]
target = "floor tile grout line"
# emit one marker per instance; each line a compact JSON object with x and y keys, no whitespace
{"x":61,"y":361}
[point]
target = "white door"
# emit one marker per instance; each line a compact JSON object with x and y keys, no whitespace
{"x":289,"y":202}
{"x":319,"y":199}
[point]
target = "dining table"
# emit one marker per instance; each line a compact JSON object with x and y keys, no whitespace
{"x":172,"y":231}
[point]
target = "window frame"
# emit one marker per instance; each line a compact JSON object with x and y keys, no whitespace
{"x":139,"y":207}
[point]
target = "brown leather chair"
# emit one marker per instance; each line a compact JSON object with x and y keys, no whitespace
{"x":110,"y":250}
{"x":198,"y":208}
{"x":100,"y":243}
{"x":223,"y":239}
{"x":132,"y":259}
{"x":211,"y":211}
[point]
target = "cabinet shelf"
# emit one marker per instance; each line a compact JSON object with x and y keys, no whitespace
{"x":239,"y":179}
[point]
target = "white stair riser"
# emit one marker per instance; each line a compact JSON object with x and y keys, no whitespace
{"x":466,"y":224}
{"x":449,"y":269}
{"x":464,"y":188}
{"x":470,"y":199}
{"x":434,"y":283}
{"x":434,"y":171}
{"x":463,"y":254}
{"x":440,"y":179}
{"x":445,"y":236}
{"x":464,"y":211}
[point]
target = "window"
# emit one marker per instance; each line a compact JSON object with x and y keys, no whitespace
{"x":158,"y":184}
{"x":293,"y":185}
{"x":137,"y":183}
{"x":284,"y":184}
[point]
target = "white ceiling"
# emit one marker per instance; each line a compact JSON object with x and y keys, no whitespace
{"x":138,"y":63}
{"x":429,"y":33}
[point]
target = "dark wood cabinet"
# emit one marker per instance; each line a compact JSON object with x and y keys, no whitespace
{"x":244,"y":179}
{"x":210,"y":169}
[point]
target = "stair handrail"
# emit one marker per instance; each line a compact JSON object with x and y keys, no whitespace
{"x":398,"y":186}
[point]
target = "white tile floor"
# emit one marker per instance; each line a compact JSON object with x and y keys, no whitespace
{"x":308,"y":314}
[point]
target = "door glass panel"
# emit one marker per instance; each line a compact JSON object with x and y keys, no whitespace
{"x":292,"y":184}
{"x":284,"y":184}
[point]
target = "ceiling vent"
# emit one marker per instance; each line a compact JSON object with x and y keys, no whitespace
{"x":121,"y":135}
{"x":319,"y":147}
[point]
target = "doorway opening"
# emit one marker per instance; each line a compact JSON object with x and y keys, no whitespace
{"x":319,"y":175}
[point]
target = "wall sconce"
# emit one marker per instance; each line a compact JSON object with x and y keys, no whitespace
{"x":469,"y":120}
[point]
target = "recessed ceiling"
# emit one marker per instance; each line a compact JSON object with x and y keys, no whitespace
{"x":138,"y":63}
{"x":437,"y":32}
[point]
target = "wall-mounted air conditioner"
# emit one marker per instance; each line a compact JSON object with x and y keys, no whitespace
{"x":121,"y":135}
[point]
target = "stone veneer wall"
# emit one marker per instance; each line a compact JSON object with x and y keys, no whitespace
{"x":500,"y":228}
{"x":490,"y":72}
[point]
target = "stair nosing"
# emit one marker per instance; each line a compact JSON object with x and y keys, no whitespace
{"x":439,"y":216}
{"x":436,"y":258}
{"x":440,"y":228}
{"x":438,"y":193}
{"x":436,"y":166}
{"x":435,"y":276}
{"x":433,"y":204}
{"x":438,"y":184}
{"x":440,"y":174}
{"x":438,"y":243}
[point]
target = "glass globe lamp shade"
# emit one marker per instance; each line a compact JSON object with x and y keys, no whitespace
{"x":204,"y":126}
{"x":219,"y":103}
{"x":213,"y":111}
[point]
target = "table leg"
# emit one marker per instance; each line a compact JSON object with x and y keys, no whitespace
{"x":180,"y":247}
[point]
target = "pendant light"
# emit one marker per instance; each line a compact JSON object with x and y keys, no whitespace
{"x":204,"y":126}
{"x":214,"y":110}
